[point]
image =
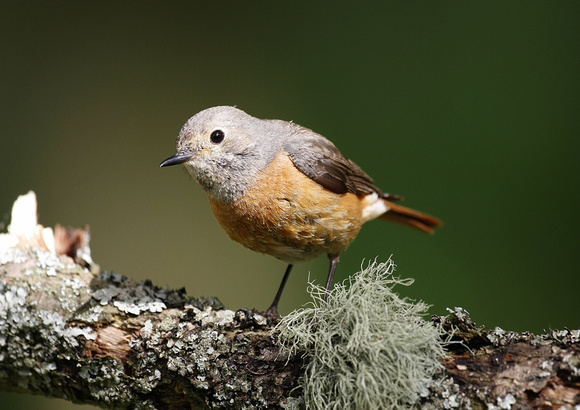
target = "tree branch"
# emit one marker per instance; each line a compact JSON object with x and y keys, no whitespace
{"x":501,"y":369}
{"x":69,"y":330}
{"x":101,"y":338}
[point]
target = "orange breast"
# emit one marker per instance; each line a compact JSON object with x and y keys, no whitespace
{"x":287,"y":215}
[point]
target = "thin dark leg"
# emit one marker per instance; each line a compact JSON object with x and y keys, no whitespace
{"x":273,"y":309}
{"x":334,"y":259}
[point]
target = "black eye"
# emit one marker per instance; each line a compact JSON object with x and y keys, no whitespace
{"x":217,"y":136}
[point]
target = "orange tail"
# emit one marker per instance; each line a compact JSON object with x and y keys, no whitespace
{"x":410,"y":217}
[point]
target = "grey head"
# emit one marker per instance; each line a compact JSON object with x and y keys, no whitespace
{"x":224,"y":149}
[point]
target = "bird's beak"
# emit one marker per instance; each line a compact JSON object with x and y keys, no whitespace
{"x":178,"y":158}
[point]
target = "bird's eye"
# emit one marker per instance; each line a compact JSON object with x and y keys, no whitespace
{"x":217,"y":136}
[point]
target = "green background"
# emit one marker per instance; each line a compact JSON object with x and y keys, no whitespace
{"x":468,"y":109}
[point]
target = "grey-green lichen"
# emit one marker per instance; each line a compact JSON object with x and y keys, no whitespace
{"x":35,"y":343}
{"x":101,"y":338}
{"x":214,"y":356}
{"x":366,"y":347}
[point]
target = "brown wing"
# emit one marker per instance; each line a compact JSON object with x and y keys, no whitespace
{"x":321,"y":161}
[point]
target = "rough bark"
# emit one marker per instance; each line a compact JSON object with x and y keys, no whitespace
{"x":100,"y":338}
{"x":501,"y":369}
{"x":68,"y":330}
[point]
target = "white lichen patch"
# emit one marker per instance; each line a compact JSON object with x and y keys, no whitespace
{"x":366,"y":347}
{"x":13,"y":255}
{"x":459,"y":312}
{"x":500,"y":337}
{"x":195,"y":349}
{"x":147,"y":329}
{"x":447,"y":396}
{"x":135,"y":300}
{"x":135,"y":307}
{"x":90,"y":315}
{"x":210,"y":316}
{"x":105,"y":295}
{"x":104,"y":380}
{"x":47,"y":262}
{"x":87,"y":332}
{"x":506,"y":402}
{"x":25,"y":331}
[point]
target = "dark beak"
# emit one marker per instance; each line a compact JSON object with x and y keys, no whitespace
{"x":177,"y":159}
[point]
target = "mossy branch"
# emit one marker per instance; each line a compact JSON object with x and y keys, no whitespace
{"x":68,"y":330}
{"x":101,"y":338}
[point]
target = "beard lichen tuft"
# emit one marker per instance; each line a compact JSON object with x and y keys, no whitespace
{"x":366,"y":347}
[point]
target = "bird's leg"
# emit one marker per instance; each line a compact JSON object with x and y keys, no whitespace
{"x":334,"y":259}
{"x":272,"y":312}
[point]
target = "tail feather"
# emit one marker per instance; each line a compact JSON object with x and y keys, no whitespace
{"x":410,"y":217}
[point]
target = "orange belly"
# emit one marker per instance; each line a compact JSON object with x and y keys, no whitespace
{"x":287,"y":215}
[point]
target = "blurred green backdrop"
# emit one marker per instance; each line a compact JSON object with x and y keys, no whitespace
{"x":468,"y":109}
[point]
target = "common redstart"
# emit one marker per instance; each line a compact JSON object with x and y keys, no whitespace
{"x":282,"y":189}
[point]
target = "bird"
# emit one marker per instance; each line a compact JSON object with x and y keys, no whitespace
{"x":282,"y":189}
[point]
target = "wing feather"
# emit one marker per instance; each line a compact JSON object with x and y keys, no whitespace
{"x":320,"y":160}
